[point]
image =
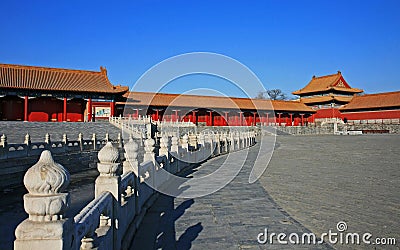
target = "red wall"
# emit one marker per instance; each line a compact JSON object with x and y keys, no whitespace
{"x":372,"y":115}
{"x":75,"y":110}
{"x":44,"y":109}
{"x":361,"y":115}
{"x":328,"y":113}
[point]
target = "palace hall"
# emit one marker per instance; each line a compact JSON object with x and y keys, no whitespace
{"x":44,"y":94}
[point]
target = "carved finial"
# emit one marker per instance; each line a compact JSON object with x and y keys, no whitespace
{"x":108,"y":154}
{"x":46,"y":176}
{"x":339,"y":72}
{"x":94,"y":137}
{"x":103,"y":70}
{"x":131,"y":152}
{"x":107,"y":137}
{"x":131,"y":149}
{"x":313,"y":76}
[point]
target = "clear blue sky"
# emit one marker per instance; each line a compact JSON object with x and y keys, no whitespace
{"x":284,"y":43}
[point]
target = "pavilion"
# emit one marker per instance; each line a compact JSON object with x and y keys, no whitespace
{"x":327,"y":94}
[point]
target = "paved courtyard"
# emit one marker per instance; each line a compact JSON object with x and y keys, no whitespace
{"x":321,"y":180}
{"x":311,"y":184}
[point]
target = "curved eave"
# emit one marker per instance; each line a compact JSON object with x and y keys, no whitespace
{"x":117,"y":90}
{"x":368,"y":108}
{"x":343,"y":90}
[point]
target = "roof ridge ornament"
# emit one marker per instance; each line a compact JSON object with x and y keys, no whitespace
{"x":103,"y":70}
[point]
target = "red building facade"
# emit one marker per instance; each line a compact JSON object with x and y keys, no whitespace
{"x":214,"y":110}
{"x":373,"y":107}
{"x":29,"y":93}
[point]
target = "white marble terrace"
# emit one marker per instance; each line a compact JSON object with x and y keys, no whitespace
{"x":122,"y":195}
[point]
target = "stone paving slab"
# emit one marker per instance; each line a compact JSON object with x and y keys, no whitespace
{"x":230,"y":218}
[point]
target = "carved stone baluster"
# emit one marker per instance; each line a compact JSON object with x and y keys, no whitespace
{"x":149,"y":150}
{"x":109,"y":180}
{"x":164,"y":145}
{"x":185,"y":141}
{"x":174,"y":144}
{"x":45,"y":204}
{"x":131,"y":162}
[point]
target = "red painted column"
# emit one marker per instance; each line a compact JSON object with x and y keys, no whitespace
{"x":302,"y":119}
{"x":254,"y":117}
{"x":157,"y":113}
{"x":176,"y":115}
{"x":291,"y":119}
{"x":65,"y":110}
{"x":112,"y":108}
{"x":137,"y":113}
{"x":194,"y":117}
{"x":26,"y":109}
{"x":210,"y":118}
{"x":267,"y":119}
{"x":279,"y":119}
{"x":89,"y":110}
{"x":226,"y":118}
{"x":240,"y":118}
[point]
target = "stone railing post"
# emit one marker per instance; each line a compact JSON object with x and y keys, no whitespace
{"x":185,"y":141}
{"x":119,"y":140}
{"x":193,"y":141}
{"x":217,"y":144}
{"x":174,"y":144}
{"x":211,"y":142}
{"x":224,"y":140}
{"x":94,"y":140}
{"x":107,"y":138}
{"x":237,"y":139}
{"x":164,"y":145}
{"x":3,"y":147}
{"x":149,"y":150}
{"x":3,"y":141}
{"x":109,"y":180}
{"x":27,"y":140}
{"x":131,"y":153}
{"x":46,"y":227}
{"x":232,"y":142}
{"x":201,"y":139}
{"x":47,"y":140}
{"x":65,"y":139}
{"x":80,"y":141}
